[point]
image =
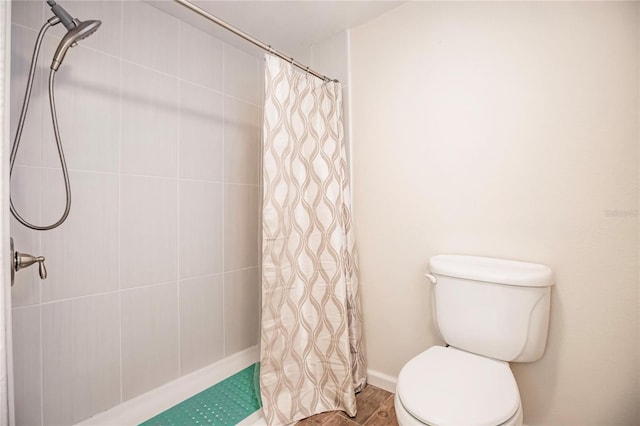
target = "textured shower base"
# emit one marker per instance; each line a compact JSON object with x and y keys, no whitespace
{"x":223,"y":404}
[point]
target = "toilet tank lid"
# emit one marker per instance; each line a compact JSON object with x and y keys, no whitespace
{"x":492,"y":270}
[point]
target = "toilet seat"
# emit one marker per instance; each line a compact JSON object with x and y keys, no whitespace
{"x":447,"y":386}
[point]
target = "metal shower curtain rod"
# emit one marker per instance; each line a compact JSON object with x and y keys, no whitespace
{"x":251,"y":39}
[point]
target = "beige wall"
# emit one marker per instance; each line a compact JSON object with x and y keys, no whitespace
{"x":506,"y":130}
{"x":330,"y":57}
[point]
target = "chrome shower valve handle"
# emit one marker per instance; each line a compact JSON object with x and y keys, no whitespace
{"x":24,"y":260}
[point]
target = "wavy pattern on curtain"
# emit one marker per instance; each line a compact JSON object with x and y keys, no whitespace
{"x":312,"y":353}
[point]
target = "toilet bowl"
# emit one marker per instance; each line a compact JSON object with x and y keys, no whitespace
{"x":490,"y":312}
{"x":447,"y":386}
{"x":406,"y":419}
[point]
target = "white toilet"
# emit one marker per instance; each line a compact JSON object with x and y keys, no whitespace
{"x":490,"y":312}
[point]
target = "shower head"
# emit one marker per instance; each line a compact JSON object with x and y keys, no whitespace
{"x":82,"y":30}
{"x":77,"y":30}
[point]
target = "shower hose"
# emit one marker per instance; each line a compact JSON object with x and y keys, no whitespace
{"x":23,"y":114}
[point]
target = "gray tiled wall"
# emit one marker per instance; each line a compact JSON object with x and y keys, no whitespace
{"x":155,"y":273}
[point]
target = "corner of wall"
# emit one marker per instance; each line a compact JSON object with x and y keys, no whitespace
{"x":349,"y":113}
{"x":6,"y":351}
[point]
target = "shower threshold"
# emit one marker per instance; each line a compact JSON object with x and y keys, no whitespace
{"x":144,"y":408}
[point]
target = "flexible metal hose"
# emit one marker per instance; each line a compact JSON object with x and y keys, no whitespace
{"x":23,"y":115}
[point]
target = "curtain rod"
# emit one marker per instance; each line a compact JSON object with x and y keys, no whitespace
{"x":250,"y":39}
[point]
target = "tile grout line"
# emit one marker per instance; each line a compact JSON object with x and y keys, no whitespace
{"x":147,"y":67}
{"x":178,"y":176}
{"x":40,"y":307}
{"x":132,"y":288}
{"x":349,"y":421}
{"x":223,"y":203}
{"x":40,"y":251}
{"x":378,"y":409}
{"x":109,"y":173}
{"x":120,"y":144}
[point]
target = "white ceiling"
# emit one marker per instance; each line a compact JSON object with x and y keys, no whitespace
{"x":289,"y":26}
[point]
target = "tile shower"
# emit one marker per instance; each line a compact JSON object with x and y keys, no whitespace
{"x":155,"y":273}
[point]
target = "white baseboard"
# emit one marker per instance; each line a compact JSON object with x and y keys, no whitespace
{"x":145,"y":406}
{"x":381,"y":380}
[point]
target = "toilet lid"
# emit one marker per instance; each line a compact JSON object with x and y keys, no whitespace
{"x":447,"y":386}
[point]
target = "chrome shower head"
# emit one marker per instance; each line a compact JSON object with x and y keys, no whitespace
{"x":77,"y":30}
{"x":82,"y":30}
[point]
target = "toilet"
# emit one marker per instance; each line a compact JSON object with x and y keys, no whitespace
{"x":490,"y":312}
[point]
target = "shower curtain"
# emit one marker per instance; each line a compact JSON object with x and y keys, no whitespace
{"x":312,"y":353}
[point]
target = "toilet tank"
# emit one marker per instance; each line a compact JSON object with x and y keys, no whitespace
{"x":492,"y":307}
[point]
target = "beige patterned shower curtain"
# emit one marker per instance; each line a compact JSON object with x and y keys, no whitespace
{"x":312,"y":353}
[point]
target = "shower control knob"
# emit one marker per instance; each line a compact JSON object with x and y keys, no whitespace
{"x":42,"y":270}
{"x":24,"y":260}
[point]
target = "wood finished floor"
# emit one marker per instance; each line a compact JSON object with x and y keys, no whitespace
{"x":375,"y":408}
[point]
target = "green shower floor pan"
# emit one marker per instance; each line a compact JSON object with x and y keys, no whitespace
{"x":223,"y":404}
